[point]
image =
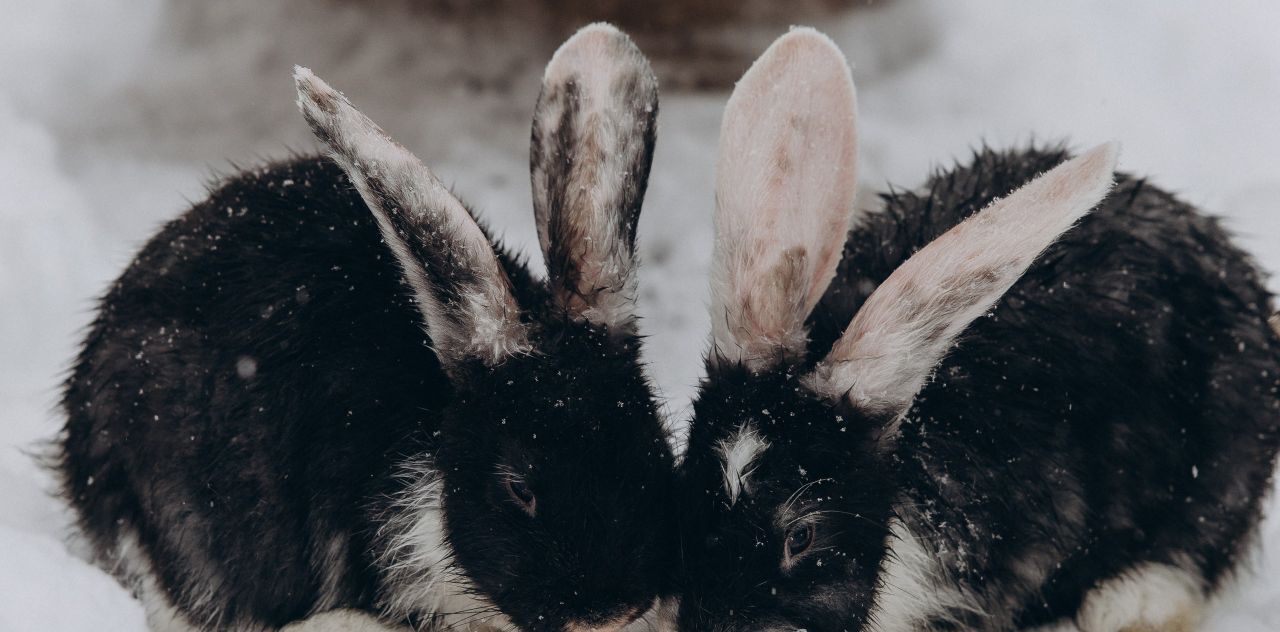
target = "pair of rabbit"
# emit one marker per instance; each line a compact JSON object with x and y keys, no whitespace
{"x":301,"y":397}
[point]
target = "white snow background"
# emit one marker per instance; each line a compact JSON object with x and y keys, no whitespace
{"x":115,"y":113}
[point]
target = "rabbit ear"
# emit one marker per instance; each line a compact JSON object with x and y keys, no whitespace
{"x":785,"y":182}
{"x":907,"y":325}
{"x":448,"y":262}
{"x":592,"y":143}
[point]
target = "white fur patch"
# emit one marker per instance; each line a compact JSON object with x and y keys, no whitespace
{"x":1149,"y":597}
{"x":342,"y":621}
{"x":785,"y":182}
{"x":329,"y":563}
{"x":609,"y":127}
{"x":612,"y":626}
{"x":913,"y":587}
{"x":133,"y":566}
{"x":739,"y":455}
{"x":418,"y":573}
{"x":661,"y":617}
{"x":1059,"y":626}
{"x":909,"y":323}
{"x":490,"y":328}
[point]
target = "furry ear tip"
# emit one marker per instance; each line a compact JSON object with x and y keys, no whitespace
{"x":596,"y":45}
{"x":1107,"y":154}
{"x":593,"y":35}
{"x":305,"y":81}
{"x":315,"y":97}
{"x":805,"y":41}
{"x":1098,"y":166}
{"x":809,"y":36}
{"x":312,"y":91}
{"x":599,"y":27}
{"x":802,"y":58}
{"x":596,"y":33}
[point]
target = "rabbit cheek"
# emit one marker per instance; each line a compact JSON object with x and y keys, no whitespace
{"x":420,"y":579}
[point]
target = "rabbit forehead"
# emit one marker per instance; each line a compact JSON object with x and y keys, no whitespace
{"x":577,"y":407}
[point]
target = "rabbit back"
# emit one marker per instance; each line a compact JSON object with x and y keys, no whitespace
{"x":250,"y":381}
{"x":1118,"y":407}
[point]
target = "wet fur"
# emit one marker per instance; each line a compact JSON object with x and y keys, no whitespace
{"x":1142,"y":351}
{"x":905,"y":328}
{"x":283,"y":266}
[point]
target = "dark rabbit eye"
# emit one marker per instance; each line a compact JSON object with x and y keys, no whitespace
{"x":799,"y":538}
{"x":521,"y":493}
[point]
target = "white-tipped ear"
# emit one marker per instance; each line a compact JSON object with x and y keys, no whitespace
{"x":592,"y":143}
{"x":461,"y":289}
{"x":907,"y":325}
{"x":785,"y":182}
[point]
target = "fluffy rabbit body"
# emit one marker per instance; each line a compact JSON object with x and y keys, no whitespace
{"x":324,"y":387}
{"x":1028,"y":398}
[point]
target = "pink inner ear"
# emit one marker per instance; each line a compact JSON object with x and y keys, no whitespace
{"x":910,"y":321}
{"x":785,"y":184}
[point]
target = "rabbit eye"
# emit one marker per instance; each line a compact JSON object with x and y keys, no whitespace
{"x":523,"y":496}
{"x":799,"y":539}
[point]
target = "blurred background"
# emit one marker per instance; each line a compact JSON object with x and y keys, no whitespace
{"x":115,"y":115}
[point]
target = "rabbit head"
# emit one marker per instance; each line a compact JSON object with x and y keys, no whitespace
{"x":544,"y":501}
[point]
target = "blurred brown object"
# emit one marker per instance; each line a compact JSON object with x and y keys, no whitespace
{"x":698,"y":44}
{"x":703,"y":44}
{"x":666,"y":15}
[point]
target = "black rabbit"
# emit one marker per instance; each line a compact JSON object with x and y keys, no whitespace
{"x":1003,"y":414}
{"x":289,"y":404}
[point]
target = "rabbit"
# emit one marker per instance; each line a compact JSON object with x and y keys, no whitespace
{"x":1033,"y":394}
{"x":326,"y":387}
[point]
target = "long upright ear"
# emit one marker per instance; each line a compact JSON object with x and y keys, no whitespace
{"x":592,"y":143}
{"x":785,"y":182}
{"x":907,"y":325}
{"x":464,"y":296}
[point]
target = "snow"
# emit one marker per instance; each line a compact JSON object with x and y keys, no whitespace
{"x":114,"y":113}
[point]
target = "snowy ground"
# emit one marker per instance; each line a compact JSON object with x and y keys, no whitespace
{"x":114,"y":113}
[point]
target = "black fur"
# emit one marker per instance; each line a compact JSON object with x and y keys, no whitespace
{"x":257,"y":381}
{"x":1118,"y":406}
